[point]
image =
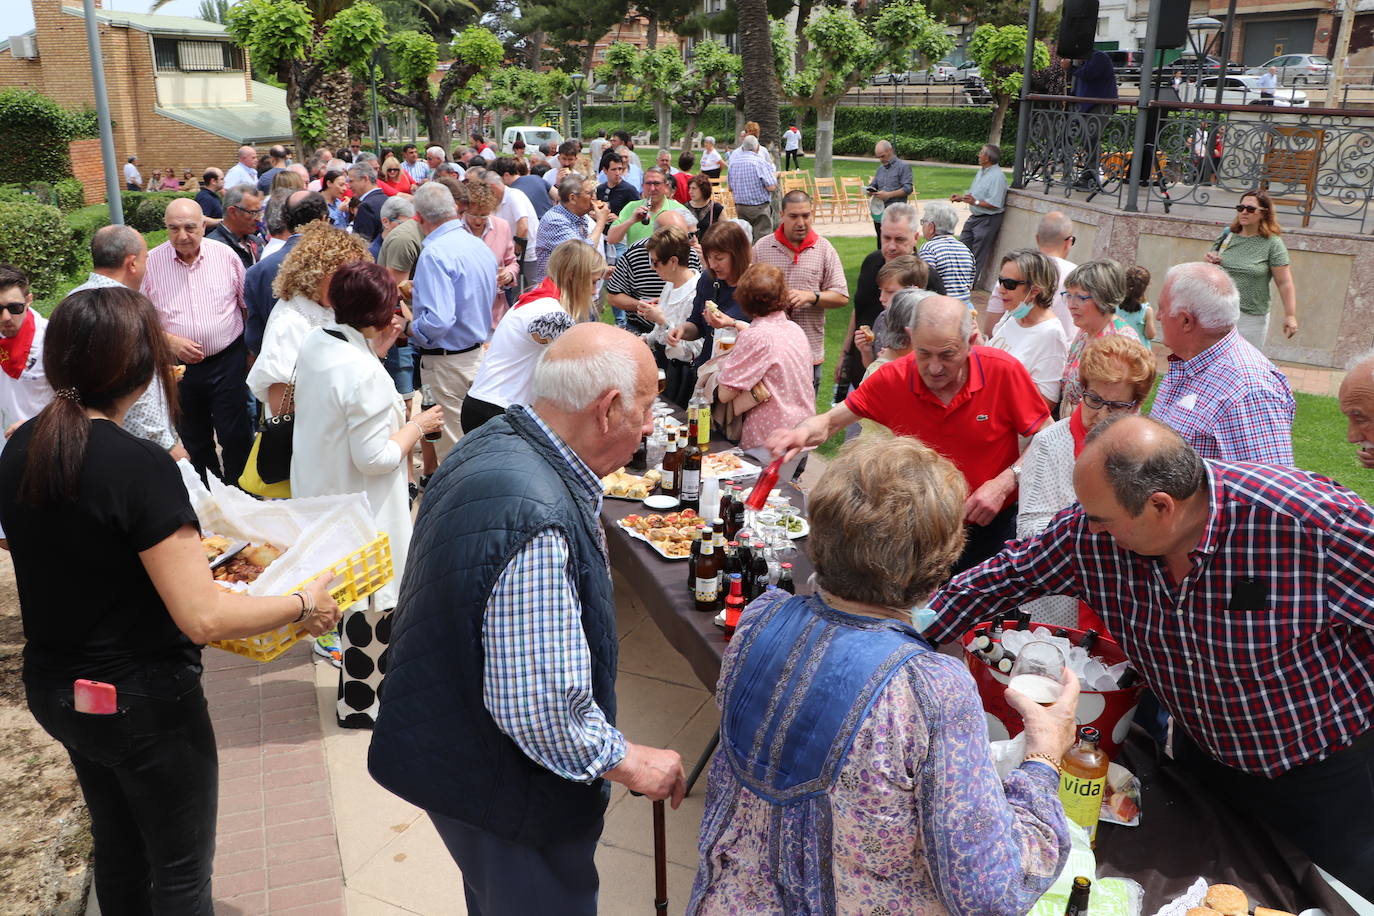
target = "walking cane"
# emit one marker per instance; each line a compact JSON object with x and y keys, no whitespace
{"x":660,"y":862}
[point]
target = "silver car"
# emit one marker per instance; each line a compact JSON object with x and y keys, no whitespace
{"x":1241,"y":90}
{"x":1297,"y":69}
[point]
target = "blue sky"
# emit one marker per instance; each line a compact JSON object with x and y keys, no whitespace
{"x":16,"y":16}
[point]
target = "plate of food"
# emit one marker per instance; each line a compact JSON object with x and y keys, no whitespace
{"x":727,"y":464}
{"x":669,"y":535}
{"x":624,"y":485}
{"x":797,"y":527}
{"x":247,"y":563}
{"x":220,"y":550}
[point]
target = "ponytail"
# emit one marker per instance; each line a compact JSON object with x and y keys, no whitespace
{"x":56,"y":453}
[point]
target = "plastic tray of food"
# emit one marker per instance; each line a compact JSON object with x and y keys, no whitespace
{"x":624,"y":485}
{"x":669,"y":536}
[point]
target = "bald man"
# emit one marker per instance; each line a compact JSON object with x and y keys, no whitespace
{"x":1242,"y":594}
{"x":975,"y":405}
{"x":499,"y":717}
{"x":245,"y":171}
{"x":1357,"y":403}
{"x":196,"y":285}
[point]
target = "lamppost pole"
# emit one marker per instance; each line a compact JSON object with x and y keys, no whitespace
{"x":1023,"y":112}
{"x":102,"y":114}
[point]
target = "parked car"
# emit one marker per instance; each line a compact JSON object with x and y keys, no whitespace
{"x":1186,"y":66}
{"x":966,"y":71}
{"x":532,"y":134}
{"x":1241,"y":90}
{"x":1127,"y":64}
{"x":1298,"y":69}
{"x":886,"y":79}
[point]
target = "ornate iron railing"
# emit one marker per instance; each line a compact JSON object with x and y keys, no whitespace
{"x":1318,"y":163}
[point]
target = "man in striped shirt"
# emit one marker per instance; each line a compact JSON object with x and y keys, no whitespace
{"x":196,"y":285}
{"x":752,"y":181}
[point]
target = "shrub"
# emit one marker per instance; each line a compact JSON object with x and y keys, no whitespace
{"x":36,"y":125}
{"x":85,"y":222}
{"x":144,"y":210}
{"x":71,"y":194}
{"x":36,"y":238}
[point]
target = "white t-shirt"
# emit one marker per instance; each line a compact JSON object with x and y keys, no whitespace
{"x":514,"y":205}
{"x":507,"y":371}
{"x":676,"y":305}
{"x":710,"y":159}
{"x":22,"y":398}
{"x":287,"y":327}
{"x":791,"y":139}
{"x":1041,"y":348}
{"x":1060,"y":307}
{"x":131,"y":175}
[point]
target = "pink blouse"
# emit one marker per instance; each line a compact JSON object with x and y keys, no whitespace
{"x":773,"y":350}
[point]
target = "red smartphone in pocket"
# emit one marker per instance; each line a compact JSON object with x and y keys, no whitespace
{"x":93,"y":697}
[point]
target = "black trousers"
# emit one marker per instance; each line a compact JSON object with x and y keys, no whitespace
{"x":475,"y":412}
{"x":983,"y":541}
{"x":212,"y":394}
{"x":1325,"y":808}
{"x":791,"y":159}
{"x":680,"y":378}
{"x":150,"y":776}
{"x":711,"y":173}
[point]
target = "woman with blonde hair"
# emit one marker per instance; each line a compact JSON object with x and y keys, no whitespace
{"x":1029,"y":329}
{"x":496,"y":234}
{"x":565,"y":297}
{"x":856,"y":778}
{"x":286,"y":180}
{"x":302,"y":291}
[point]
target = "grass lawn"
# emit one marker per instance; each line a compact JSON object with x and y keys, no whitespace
{"x":44,"y":307}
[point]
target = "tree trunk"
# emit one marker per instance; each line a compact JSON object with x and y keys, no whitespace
{"x":998,"y":115}
{"x":436,"y":119}
{"x":335,"y":90}
{"x":498,"y":123}
{"x":825,"y":138}
{"x":651,"y":30}
{"x":761,"y":89}
{"x":803,"y":17}
{"x":665,"y":122}
{"x":534,"y":45}
{"x":688,"y":137}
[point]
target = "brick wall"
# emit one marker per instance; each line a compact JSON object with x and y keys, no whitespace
{"x":89,"y":169}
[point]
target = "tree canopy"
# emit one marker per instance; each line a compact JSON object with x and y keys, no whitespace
{"x":1000,"y":53}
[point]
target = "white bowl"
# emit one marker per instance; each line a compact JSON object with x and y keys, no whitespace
{"x":660,"y":501}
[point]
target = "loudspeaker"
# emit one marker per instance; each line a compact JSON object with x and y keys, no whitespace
{"x":1077,"y":29}
{"x":1173,"y":23}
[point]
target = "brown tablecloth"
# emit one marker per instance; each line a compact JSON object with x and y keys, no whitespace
{"x":1183,"y":833}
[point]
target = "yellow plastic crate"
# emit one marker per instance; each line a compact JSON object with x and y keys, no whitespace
{"x":361,"y":572}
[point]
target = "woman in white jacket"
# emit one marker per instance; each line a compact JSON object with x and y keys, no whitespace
{"x":351,"y":436}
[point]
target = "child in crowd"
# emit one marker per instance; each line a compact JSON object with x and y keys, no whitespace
{"x":893,"y":277}
{"x":1134,"y":310}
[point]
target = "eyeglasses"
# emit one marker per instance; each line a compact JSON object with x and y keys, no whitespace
{"x":14,"y":308}
{"x":1097,"y":403}
{"x":652,"y":184}
{"x":1080,"y":298}
{"x":1246,"y":208}
{"x":257,"y":212}
{"x":1009,"y":284}
{"x":1073,"y":239}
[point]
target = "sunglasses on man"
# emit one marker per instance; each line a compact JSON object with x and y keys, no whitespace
{"x":14,"y":308}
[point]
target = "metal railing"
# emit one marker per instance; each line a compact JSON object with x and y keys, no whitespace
{"x":1317,"y":162}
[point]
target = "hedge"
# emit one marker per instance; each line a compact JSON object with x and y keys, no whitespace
{"x":84,"y":223}
{"x":37,"y":239}
{"x":144,"y":210}
{"x":36,"y":131}
{"x":942,"y":134}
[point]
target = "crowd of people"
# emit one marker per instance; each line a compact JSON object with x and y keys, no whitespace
{"x":997,"y":444}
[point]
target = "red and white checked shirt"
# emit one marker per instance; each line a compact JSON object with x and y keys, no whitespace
{"x":815,"y":269}
{"x":1265,"y":651}
{"x":201,"y":301}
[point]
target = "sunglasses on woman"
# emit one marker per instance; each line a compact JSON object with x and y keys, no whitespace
{"x":1009,"y":284}
{"x":1097,"y":403}
{"x":1247,"y":208}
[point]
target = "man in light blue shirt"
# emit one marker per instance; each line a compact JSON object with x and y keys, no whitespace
{"x":414,"y":167}
{"x":454,"y":287}
{"x":986,"y":199}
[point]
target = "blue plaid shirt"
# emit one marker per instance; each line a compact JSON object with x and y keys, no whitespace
{"x":538,"y":676}
{"x":751,"y":178}
{"x":557,"y":226}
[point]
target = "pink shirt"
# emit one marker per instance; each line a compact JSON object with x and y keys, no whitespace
{"x":201,"y":301}
{"x":499,"y":239}
{"x":816,"y":269}
{"x":775,"y":351}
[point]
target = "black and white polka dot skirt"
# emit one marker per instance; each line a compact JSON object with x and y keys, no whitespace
{"x":364,"y":636}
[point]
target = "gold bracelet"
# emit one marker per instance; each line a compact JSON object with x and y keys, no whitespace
{"x":1046,"y":758}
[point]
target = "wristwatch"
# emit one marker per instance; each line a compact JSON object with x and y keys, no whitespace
{"x":816,"y":299}
{"x":1016,"y":472}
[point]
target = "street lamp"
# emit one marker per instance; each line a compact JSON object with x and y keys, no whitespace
{"x":1197,"y":27}
{"x":578,"y":79}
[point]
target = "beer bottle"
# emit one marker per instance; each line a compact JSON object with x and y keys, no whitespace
{"x":708,"y":575}
{"x":1129,"y":678}
{"x":426,"y":402}
{"x":1078,"y":897}
{"x":734,"y":604}
{"x":1089,"y":640}
{"x":672,"y":465}
{"x":1023,"y":620}
{"x":692,"y":560}
{"x":689,"y":490}
{"x":718,"y":548}
{"x":1082,"y":781}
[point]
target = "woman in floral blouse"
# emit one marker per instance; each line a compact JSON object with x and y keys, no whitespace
{"x":855,"y":774}
{"x":1092,"y":292}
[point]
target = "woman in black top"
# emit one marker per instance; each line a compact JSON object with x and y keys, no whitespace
{"x":727,"y":253}
{"x":114,"y":588}
{"x":700,"y":201}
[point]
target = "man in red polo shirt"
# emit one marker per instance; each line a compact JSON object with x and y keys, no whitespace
{"x":975,"y":405}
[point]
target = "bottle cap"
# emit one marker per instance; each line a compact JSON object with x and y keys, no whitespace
{"x":734,"y":544}
{"x":735,"y":577}
{"x":787,"y":566}
{"x":1088,"y":733}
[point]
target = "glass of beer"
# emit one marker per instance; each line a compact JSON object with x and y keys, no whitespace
{"x":662,"y":381}
{"x":1039,"y":672}
{"x":725,"y":340}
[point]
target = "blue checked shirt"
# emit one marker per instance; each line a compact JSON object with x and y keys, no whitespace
{"x":538,"y":676}
{"x":557,"y":226}
{"x":751,"y":178}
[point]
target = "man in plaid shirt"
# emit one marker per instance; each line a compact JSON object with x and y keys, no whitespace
{"x":1224,"y":397}
{"x":1243,"y":595}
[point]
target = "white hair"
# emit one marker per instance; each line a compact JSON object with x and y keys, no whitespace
{"x":898,"y":212}
{"x":901,"y":314}
{"x":919,"y":310}
{"x":710,"y":140}
{"x":434,"y":203}
{"x":1204,"y":291}
{"x":749,"y":143}
{"x":941,"y":215}
{"x":573,"y":384}
{"x":397,"y":208}
{"x":436,"y":151}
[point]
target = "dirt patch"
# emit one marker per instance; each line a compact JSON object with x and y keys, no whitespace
{"x":45,"y":844}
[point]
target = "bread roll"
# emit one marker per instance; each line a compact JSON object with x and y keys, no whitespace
{"x":1227,"y":899}
{"x":1201,"y":911}
{"x":1265,"y":911}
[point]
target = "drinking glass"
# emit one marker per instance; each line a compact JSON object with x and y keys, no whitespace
{"x":1038,"y":672}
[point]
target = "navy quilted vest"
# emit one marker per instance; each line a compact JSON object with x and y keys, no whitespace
{"x":435,"y":744}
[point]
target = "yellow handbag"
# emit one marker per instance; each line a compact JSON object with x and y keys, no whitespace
{"x":252,"y":483}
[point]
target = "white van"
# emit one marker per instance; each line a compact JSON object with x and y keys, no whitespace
{"x":532,"y":134}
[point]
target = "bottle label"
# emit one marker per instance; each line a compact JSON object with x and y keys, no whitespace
{"x":708,"y":589}
{"x":691,"y":484}
{"x":668,"y":481}
{"x":1082,"y":800}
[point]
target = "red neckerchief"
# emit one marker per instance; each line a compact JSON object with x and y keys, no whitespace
{"x":545,"y":290}
{"x":1079,"y":431}
{"x":811,"y":239}
{"x":14,"y":351}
